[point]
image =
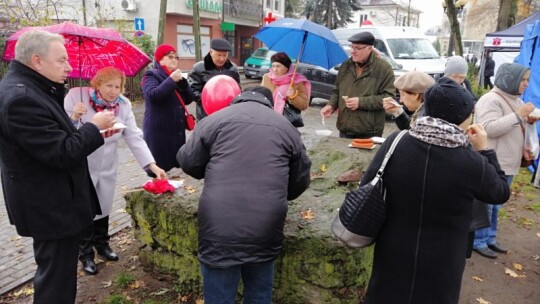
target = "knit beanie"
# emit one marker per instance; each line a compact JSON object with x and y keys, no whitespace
{"x":448,"y":101}
{"x":163,"y":50}
{"x":509,"y":77}
{"x":414,"y":82}
{"x":282,"y":58}
{"x":456,"y":65}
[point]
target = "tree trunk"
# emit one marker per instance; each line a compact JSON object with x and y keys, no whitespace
{"x":505,"y":12}
{"x":454,"y":28}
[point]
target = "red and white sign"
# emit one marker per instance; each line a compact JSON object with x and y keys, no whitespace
{"x":513,"y":42}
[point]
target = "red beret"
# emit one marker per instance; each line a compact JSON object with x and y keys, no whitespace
{"x":163,"y":50}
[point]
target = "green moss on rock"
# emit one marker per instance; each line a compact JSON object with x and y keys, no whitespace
{"x":312,"y":268}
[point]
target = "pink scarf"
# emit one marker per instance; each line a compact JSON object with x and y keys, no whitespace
{"x":282,"y":84}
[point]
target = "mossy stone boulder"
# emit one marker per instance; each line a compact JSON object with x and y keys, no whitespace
{"x":313,"y":267}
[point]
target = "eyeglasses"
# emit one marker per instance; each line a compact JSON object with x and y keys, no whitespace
{"x":358,"y":48}
{"x":172,"y":57}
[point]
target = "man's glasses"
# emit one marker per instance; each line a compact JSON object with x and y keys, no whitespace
{"x":358,"y":48}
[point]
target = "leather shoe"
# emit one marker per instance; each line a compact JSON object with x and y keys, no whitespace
{"x":486,"y":252}
{"x":498,"y":248}
{"x":107,"y":253}
{"x":90,"y":267}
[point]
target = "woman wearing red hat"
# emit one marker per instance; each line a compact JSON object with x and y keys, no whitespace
{"x":166,"y":93}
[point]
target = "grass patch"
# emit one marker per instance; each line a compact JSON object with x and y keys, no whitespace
{"x":534,"y":207}
{"x":503,"y":214}
{"x":524,"y":222}
{"x":123,"y":280}
{"x":117,"y":299}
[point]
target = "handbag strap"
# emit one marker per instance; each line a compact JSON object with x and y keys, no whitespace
{"x":182,"y":102}
{"x":387,"y":157}
{"x":511,"y":108}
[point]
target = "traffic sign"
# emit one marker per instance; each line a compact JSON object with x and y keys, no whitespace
{"x":139,"y":24}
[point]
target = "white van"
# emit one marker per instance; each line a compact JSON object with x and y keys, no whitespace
{"x":408,"y":46}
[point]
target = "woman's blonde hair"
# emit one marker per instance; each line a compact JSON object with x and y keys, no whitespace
{"x":106,"y":74}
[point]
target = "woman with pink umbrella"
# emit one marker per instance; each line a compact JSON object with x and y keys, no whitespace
{"x":105,"y":94}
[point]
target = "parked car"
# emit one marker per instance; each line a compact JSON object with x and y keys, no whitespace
{"x":258,"y":63}
{"x":323,"y":81}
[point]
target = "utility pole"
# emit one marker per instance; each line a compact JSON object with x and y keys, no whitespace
{"x":197,"y":30}
{"x":162,"y":15}
{"x":84,"y":11}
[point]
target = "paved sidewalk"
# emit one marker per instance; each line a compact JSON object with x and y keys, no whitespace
{"x":17,"y":264}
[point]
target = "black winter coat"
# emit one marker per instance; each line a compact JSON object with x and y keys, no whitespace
{"x":420,"y":251}
{"x":253,"y":161}
{"x":201,"y":72}
{"x":47,"y":188}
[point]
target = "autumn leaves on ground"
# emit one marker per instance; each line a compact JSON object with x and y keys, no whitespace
{"x":511,"y":278}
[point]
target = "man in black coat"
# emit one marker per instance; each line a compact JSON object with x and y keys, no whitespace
{"x":489,"y":71}
{"x":253,"y":161}
{"x":47,"y":188}
{"x":216,"y":62}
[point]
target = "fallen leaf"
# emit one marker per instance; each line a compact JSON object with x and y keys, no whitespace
{"x":26,"y":291}
{"x":518,"y":266}
{"x":106,"y":284}
{"x":477,"y":278}
{"x":135,"y":285}
{"x":323,"y":168}
{"x":482,"y":301}
{"x":199,"y":301}
{"x":189,"y":189}
{"x":538,"y":234}
{"x":510,"y":272}
{"x":159,"y":293}
{"x":307,"y":215}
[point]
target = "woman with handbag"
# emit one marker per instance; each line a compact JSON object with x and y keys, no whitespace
{"x":166,"y":94}
{"x":291,"y":91}
{"x":504,"y":116}
{"x":105,"y":94}
{"x":436,"y":171}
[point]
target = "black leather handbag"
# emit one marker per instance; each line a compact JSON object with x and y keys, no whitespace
{"x":363,"y":211}
{"x":293,"y":115}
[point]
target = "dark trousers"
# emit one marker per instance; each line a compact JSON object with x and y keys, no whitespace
{"x":55,"y":280}
{"x":96,"y":235}
{"x":487,"y":82}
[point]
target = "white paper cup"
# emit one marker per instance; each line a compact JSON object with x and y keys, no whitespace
{"x":323,"y":132}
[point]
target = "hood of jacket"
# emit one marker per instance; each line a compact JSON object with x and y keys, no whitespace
{"x":509,"y":77}
{"x":250,"y":96}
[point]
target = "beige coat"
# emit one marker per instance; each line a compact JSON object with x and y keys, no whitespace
{"x":300,"y":102}
{"x":503,"y":128}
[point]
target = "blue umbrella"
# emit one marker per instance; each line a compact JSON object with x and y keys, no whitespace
{"x":304,"y":40}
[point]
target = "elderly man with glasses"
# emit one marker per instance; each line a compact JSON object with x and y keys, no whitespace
{"x":363,"y":81}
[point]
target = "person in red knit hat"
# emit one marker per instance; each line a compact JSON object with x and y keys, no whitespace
{"x":166,"y":92}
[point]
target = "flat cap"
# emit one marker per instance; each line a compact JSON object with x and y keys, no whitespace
{"x":219,"y":44}
{"x":362,"y":38}
{"x":414,"y":82}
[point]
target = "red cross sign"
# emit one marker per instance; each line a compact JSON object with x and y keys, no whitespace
{"x":269,"y":18}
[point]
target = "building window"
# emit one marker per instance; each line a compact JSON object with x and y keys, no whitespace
{"x":276,"y":5}
{"x":269,"y":4}
{"x":231,"y":37}
{"x":363,"y":17}
{"x":186,"y":41}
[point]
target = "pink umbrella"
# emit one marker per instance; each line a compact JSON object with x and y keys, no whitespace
{"x":90,"y":49}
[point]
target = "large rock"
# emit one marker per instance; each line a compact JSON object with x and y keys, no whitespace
{"x":313,"y":267}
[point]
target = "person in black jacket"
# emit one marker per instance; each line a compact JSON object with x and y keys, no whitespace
{"x":489,"y":71}
{"x":47,"y":189}
{"x":431,"y":180}
{"x":216,"y":62}
{"x":253,"y":161}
